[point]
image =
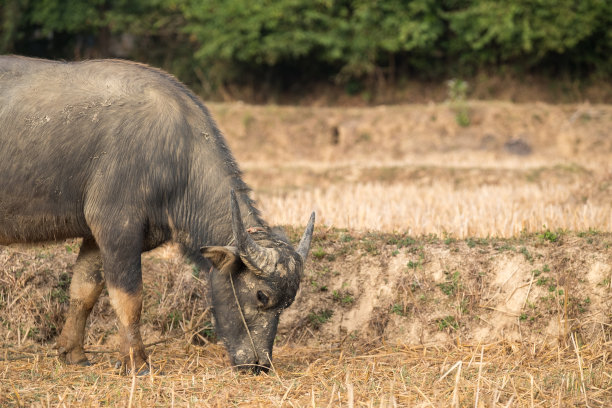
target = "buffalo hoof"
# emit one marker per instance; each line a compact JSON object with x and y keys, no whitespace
{"x":73,"y":357}
{"x":143,"y":370}
{"x":258,"y":369}
{"x":253,"y":368}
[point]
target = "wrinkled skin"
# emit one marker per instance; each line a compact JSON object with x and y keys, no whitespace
{"x":261,"y":302}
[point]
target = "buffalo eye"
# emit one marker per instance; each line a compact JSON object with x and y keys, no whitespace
{"x":262,"y":297}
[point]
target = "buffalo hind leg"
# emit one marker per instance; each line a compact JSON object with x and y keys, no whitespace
{"x":87,"y":283}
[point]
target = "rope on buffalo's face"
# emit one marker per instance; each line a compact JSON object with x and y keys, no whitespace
{"x":242,"y":317}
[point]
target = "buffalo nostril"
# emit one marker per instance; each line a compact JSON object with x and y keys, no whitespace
{"x":259,"y":368}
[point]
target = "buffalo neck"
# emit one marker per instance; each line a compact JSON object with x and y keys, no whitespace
{"x":204,"y":214}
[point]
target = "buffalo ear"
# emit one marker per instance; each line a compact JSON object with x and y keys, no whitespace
{"x":220,"y":256}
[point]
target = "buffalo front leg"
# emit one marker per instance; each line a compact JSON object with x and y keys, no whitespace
{"x":122,"y":271}
{"x":128,"y":305}
{"x":87,"y":283}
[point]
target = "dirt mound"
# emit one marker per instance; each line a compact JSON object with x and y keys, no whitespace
{"x":431,"y":290}
{"x":496,"y":131}
{"x":360,"y":286}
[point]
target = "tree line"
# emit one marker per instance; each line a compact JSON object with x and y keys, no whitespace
{"x":279,"y":42}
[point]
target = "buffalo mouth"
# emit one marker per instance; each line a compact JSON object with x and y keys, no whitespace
{"x":254,"y":368}
{"x":245,"y":360}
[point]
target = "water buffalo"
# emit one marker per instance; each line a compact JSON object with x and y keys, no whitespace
{"x":126,"y":157}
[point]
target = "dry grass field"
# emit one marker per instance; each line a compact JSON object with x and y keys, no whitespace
{"x":451,"y":266}
{"x":515,"y":168}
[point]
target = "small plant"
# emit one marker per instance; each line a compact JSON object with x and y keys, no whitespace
{"x":526,"y":254}
{"x":344,"y":298}
{"x":523,"y":317}
{"x":370,"y":246}
{"x":505,"y":247}
{"x":457,"y":90}
{"x":401,"y":242}
{"x":195,"y":271}
{"x":451,"y":285}
{"x":462,"y":117}
{"x":208,"y":332}
{"x":320,"y":317}
{"x":399,"y":310}
{"x":60,"y":295}
{"x":346,"y":238}
{"x":549,"y":236}
{"x":590,"y":232}
{"x":336,"y":295}
{"x":463,"y":305}
{"x":447,"y":323}
{"x":173,"y":319}
{"x":318,"y":253}
{"x":457,"y":95}
{"x":413,"y":264}
{"x":348,"y":299}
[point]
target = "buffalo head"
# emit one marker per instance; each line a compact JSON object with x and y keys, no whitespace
{"x":252,"y":283}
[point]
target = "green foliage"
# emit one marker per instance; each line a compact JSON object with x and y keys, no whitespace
{"x":320,"y":317}
{"x":60,"y":295}
{"x":549,"y":236}
{"x":457,"y":90}
{"x":457,"y":95}
{"x":208,"y":332}
{"x":399,"y":309}
{"x":452,"y":283}
{"x":173,"y":319}
{"x":490,"y":31}
{"x":353,"y":35}
{"x":401,"y":242}
{"x":448,"y":322}
{"x":346,"y":237}
{"x":526,"y":254}
{"x":352,"y":41}
{"x":68,"y":16}
{"x":318,"y":253}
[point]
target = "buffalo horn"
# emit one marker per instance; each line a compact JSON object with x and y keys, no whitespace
{"x":264,"y":259}
{"x":304,"y":244}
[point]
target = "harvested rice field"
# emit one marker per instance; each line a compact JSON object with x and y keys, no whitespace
{"x":451,"y":266}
